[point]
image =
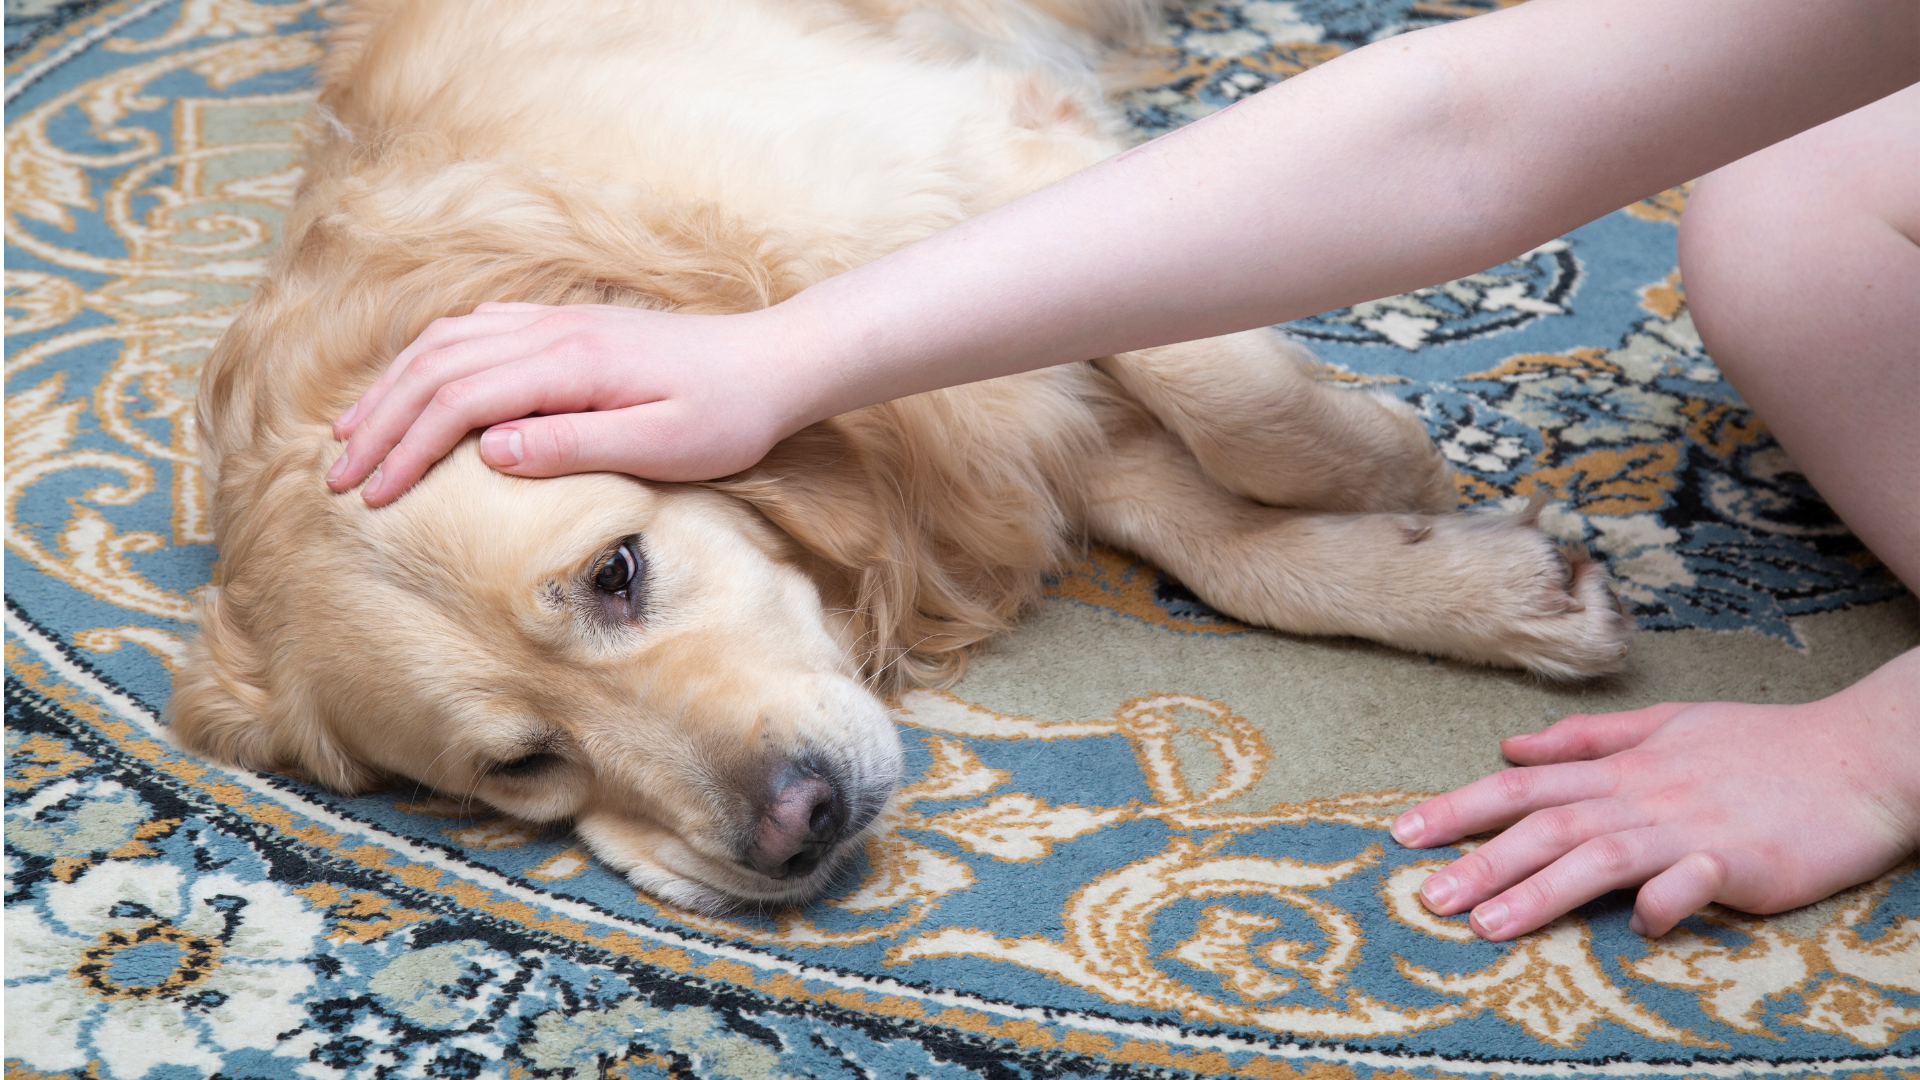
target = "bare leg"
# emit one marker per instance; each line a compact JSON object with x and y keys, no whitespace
{"x":1803,"y":273}
{"x":1804,"y":277}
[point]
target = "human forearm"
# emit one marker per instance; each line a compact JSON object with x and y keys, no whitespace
{"x":1406,"y":163}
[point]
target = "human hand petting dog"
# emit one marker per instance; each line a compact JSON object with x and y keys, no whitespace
{"x":582,"y":388}
{"x":1758,"y":807}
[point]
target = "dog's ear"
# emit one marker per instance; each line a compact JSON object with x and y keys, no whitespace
{"x":217,"y":709}
{"x":819,"y":487}
{"x":223,"y":708}
{"x":241,"y":698}
{"x":919,"y":595}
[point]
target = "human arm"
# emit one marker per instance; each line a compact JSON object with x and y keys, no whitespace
{"x":1411,"y":161}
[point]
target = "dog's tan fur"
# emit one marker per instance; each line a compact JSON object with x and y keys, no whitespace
{"x":699,"y":156}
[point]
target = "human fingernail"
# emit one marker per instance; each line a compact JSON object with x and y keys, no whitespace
{"x":347,"y":417}
{"x":1437,"y":890}
{"x":339,"y":469}
{"x":372,"y":487}
{"x":500,"y":447}
{"x":1491,"y":916}
{"x":1634,"y":924}
{"x":1409,"y":828}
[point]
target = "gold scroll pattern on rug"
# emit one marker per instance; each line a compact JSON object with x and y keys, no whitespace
{"x":1198,"y":758}
{"x":180,"y":229}
{"x":1841,"y":976}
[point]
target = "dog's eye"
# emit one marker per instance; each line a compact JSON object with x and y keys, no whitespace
{"x":617,"y":573}
{"x":522,"y":767}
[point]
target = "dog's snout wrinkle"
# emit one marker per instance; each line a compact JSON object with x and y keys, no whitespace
{"x":804,"y":815}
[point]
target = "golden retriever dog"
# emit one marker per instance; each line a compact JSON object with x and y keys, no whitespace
{"x":693,"y":674}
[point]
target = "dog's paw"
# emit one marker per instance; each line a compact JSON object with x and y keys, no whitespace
{"x":1542,"y":605}
{"x":1581,"y":628}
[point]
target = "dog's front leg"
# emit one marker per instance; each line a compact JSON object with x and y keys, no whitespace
{"x":1479,"y":587}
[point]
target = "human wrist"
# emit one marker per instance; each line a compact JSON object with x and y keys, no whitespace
{"x":1887,"y":705}
{"x":815,"y":360}
{"x":787,"y":360}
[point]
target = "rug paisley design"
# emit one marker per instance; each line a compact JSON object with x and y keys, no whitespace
{"x":1112,"y":893}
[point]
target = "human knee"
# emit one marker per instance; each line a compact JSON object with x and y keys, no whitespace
{"x":1731,"y":223}
{"x":1753,"y":235}
{"x":1797,"y":200}
{"x":1725,"y":252}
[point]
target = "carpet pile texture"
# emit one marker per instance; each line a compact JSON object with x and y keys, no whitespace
{"x":1138,"y":839}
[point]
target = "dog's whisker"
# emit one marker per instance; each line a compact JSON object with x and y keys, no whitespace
{"x":428,"y":771}
{"x":874,"y":679}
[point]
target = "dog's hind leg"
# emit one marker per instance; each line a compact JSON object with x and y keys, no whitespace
{"x":1249,"y":408}
{"x":1477,"y":587}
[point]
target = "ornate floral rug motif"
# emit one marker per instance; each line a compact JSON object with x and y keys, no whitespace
{"x":1101,"y":894}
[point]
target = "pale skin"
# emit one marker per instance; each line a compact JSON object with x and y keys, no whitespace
{"x":1410,"y":162}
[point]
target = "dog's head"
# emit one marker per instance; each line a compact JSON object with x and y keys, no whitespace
{"x":690,"y":674}
{"x":654,"y":662}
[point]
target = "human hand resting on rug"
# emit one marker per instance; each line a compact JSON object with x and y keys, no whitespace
{"x":1759,"y":807}
{"x":1412,"y":161}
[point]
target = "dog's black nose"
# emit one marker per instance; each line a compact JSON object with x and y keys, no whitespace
{"x":803,"y":815}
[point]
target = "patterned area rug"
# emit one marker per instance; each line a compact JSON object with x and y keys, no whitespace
{"x":1140,"y":840}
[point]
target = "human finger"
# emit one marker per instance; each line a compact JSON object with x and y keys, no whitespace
{"x":442,"y":376}
{"x":1501,"y":799}
{"x":1697,"y":880}
{"x":1540,"y":838}
{"x":650,"y":441}
{"x":489,"y":396}
{"x":1599,"y":866}
{"x":1583,"y":737}
{"x":439,"y":334}
{"x":607,"y":441}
